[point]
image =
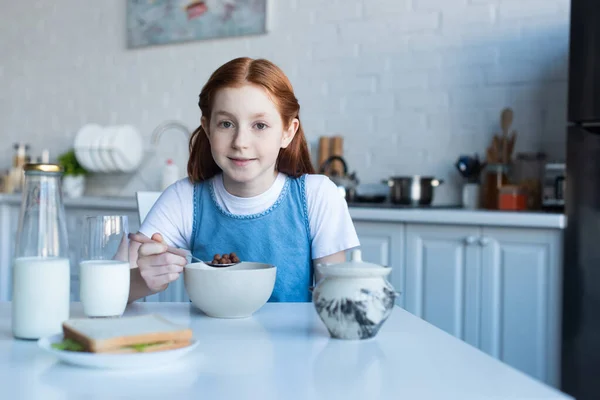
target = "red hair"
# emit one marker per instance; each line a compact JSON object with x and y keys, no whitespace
{"x":294,"y":160}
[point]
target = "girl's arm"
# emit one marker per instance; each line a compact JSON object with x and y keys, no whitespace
{"x":152,"y":268}
{"x":331,"y":227}
{"x":330,"y":259}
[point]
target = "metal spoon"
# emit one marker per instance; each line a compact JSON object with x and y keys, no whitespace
{"x":195,"y":258}
{"x":220,"y":265}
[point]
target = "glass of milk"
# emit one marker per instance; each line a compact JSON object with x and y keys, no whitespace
{"x":104,"y":266}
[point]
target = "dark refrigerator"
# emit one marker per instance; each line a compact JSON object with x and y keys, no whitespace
{"x":581,"y":275}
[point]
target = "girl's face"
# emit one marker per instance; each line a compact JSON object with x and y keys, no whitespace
{"x":246,"y":132}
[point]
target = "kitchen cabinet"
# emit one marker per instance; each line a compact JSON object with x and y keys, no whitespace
{"x":9,"y":221}
{"x":383,"y":243}
{"x":443,"y":274}
{"x":496,"y":288}
{"x":521,"y":299}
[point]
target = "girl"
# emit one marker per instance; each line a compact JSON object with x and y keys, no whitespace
{"x":251,"y":189}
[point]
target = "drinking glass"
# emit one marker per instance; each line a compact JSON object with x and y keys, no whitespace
{"x":104,"y":266}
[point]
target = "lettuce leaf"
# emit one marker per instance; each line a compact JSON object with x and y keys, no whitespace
{"x":72,"y":345}
{"x":143,"y":346}
{"x":68,"y":345}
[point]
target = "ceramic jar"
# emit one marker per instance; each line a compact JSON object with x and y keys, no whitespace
{"x":470,"y":195}
{"x":73,"y":186}
{"x":353,"y":299}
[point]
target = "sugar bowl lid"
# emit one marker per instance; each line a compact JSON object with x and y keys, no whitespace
{"x":356,"y":267}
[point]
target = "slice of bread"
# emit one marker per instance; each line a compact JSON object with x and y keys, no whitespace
{"x":116,"y":335}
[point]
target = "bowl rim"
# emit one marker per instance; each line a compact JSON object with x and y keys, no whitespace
{"x":233,"y":268}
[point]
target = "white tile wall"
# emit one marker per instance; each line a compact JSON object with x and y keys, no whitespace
{"x":411,"y":84}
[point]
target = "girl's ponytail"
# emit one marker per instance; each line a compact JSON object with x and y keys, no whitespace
{"x":201,"y":165}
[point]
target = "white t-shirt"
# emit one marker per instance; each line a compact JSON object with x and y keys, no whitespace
{"x":331,"y":227}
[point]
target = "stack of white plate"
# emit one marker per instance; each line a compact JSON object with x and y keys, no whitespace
{"x":110,"y":149}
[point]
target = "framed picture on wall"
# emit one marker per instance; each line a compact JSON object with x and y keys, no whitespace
{"x":158,"y":22}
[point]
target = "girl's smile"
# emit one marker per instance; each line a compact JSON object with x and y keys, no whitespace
{"x":241,"y":162}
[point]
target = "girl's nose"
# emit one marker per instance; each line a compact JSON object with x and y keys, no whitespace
{"x":241,"y":139}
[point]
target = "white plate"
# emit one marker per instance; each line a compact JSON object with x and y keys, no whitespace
{"x":96,"y":152}
{"x":105,"y":148}
{"x":82,"y":145}
{"x":101,"y":146}
{"x":157,"y":359}
{"x":83,"y":156}
{"x":128,"y":148}
{"x":92,"y":146}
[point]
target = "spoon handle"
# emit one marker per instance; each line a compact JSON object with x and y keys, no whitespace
{"x":173,"y":250}
{"x":195,"y":258}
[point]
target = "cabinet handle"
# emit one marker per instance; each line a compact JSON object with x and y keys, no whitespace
{"x":470,"y":239}
{"x":484,"y":241}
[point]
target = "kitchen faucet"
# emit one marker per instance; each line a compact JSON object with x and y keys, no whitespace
{"x":160,"y":129}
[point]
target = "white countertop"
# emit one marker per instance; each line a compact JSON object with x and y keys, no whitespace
{"x":458,"y":216}
{"x":375,"y":213}
{"x":108,"y":202}
{"x":282,"y":352}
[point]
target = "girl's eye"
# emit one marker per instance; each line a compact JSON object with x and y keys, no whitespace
{"x":261,"y":126}
{"x":225,"y":124}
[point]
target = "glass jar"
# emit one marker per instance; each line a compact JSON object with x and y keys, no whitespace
{"x":495,"y":176}
{"x":528,"y":173}
{"x":512,"y":197}
{"x":41,"y":268}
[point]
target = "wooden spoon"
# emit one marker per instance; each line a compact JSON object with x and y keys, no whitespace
{"x":511,"y":143}
{"x":491,"y":159}
{"x":506,"y":120}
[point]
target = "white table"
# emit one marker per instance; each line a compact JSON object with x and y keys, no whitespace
{"x":282,"y":352}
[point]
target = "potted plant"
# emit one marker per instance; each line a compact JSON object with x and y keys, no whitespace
{"x":73,"y":183}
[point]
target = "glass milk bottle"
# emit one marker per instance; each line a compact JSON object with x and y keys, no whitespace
{"x":41,"y":269}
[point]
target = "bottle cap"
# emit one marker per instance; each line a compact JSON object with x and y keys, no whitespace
{"x":40,"y":167}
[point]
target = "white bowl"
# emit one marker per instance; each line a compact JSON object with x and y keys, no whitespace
{"x":230,"y":292}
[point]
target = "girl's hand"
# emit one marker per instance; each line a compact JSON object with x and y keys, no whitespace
{"x":157,"y":267}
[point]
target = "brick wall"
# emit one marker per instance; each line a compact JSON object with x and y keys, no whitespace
{"x":411,"y":84}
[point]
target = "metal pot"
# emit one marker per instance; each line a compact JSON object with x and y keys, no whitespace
{"x":412,"y":190}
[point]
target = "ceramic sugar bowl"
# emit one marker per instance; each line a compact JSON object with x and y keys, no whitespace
{"x":353,"y":299}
